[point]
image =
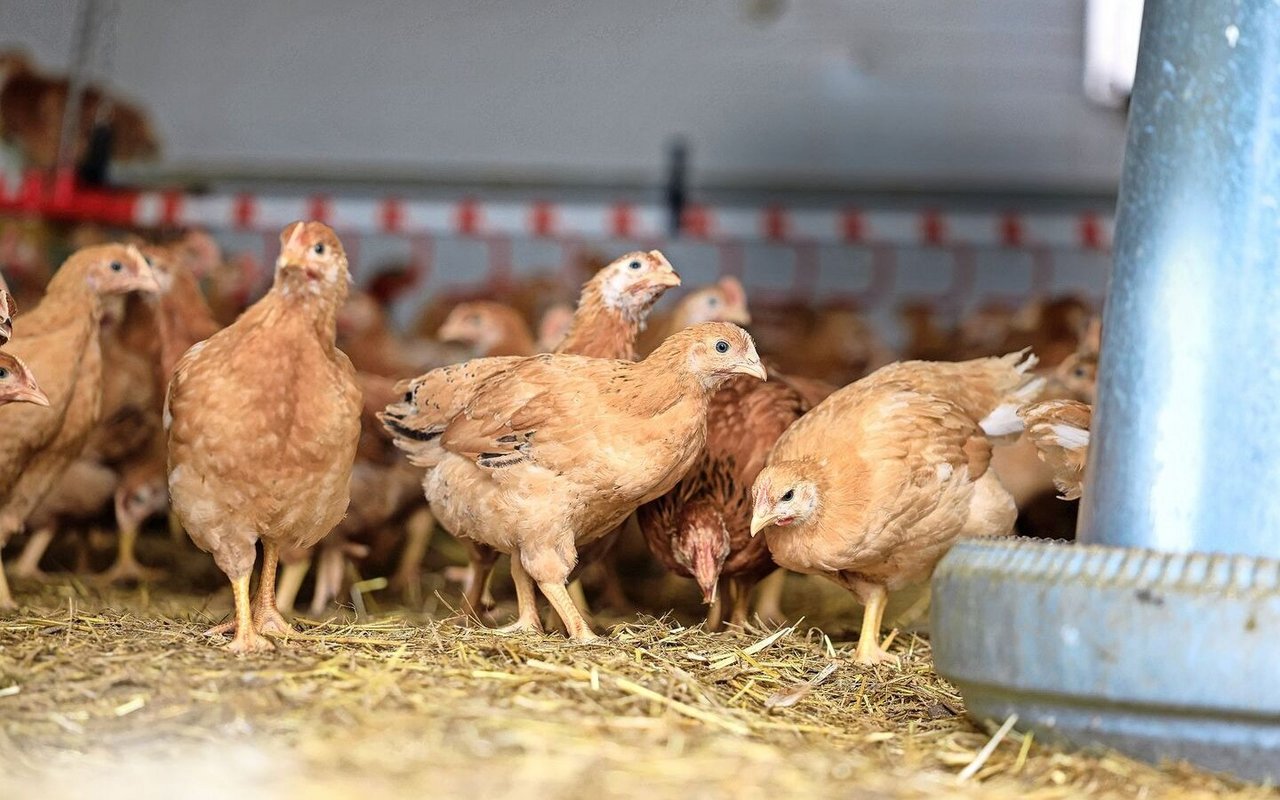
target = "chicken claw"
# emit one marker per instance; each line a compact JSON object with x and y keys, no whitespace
{"x":869,"y":652}
{"x":247,"y":639}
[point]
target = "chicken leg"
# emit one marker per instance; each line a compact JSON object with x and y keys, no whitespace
{"x":259,"y":618}
{"x":266,"y":616}
{"x":526,"y":600}
{"x":562,"y":602}
{"x":408,"y":575}
{"x":740,"y":593}
{"x":291,"y":577}
{"x":247,"y":638}
{"x":28,"y":563}
{"x":126,"y":567}
{"x":875,"y":598}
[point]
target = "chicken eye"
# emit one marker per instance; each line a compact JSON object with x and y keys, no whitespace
{"x":4,"y":373}
{"x":473,"y":319}
{"x":722,"y":346}
{"x":634,"y":265}
{"x":116,"y":266}
{"x":713,"y":301}
{"x":789,"y":495}
{"x":319,"y":248}
{"x":1078,"y":372}
{"x":147,"y":259}
{"x":408,"y":397}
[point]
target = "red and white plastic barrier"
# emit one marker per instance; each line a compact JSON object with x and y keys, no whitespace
{"x":36,"y":194}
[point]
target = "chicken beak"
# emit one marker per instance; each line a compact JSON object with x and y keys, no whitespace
{"x":753,"y":368}
{"x":32,"y":394}
{"x":707,"y":573}
{"x":761,"y":521}
{"x":667,"y":278}
{"x":146,"y":278}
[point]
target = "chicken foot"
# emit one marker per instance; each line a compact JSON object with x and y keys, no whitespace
{"x":526,"y":601}
{"x":247,"y":638}
{"x":27,"y":566}
{"x":875,"y":598}
{"x":562,"y":602}
{"x":259,"y":615}
{"x":126,"y":568}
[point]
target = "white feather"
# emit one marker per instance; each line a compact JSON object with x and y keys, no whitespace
{"x":1069,"y":437}
{"x":1003,"y":421}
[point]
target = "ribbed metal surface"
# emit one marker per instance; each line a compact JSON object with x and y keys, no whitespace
{"x":1165,"y":656}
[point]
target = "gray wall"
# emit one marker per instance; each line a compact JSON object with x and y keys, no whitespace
{"x":899,"y":92}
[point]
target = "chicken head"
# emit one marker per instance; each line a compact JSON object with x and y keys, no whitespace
{"x":721,"y":350}
{"x":701,"y":545}
{"x":116,"y":269}
{"x":312,"y":261}
{"x":17,"y":384}
{"x":783,"y":494}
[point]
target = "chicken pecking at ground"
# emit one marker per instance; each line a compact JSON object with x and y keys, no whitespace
{"x":1060,"y":431}
{"x":489,"y":328}
{"x":59,"y":340}
{"x":263,"y":420}
{"x":702,"y":528}
{"x":871,"y":487}
{"x":555,"y":451}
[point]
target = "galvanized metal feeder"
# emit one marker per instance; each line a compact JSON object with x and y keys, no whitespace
{"x":1159,"y":634}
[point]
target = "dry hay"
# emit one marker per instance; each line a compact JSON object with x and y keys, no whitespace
{"x":121,"y":695}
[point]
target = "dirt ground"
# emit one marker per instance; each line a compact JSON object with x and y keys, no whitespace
{"x":116,"y":694}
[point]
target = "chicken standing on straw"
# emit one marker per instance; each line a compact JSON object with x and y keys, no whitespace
{"x":58,"y":339}
{"x":552,"y":452}
{"x":612,"y":312}
{"x":263,"y":420}
{"x":871,"y":488}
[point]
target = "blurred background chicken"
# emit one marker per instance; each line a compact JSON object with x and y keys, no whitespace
{"x":59,"y":340}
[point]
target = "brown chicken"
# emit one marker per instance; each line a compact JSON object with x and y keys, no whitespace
{"x":58,"y":339}
{"x":723,"y":301}
{"x":702,"y":528}
{"x":555,"y":451}
{"x":263,"y":420}
{"x":611,"y":314}
{"x":871,"y":487}
{"x":31,"y":111}
{"x":1060,"y":431}
{"x":615,"y":306}
{"x":490,"y":329}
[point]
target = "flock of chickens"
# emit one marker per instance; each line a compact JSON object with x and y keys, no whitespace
{"x":123,"y":390}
